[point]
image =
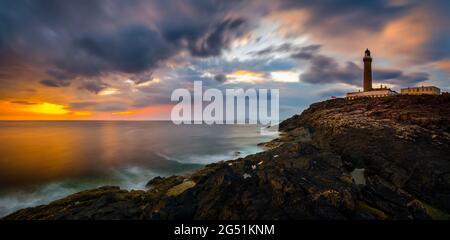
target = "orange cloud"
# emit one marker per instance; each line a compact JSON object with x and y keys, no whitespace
{"x":123,"y":113}
{"x":82,"y":113}
{"x":108,"y":91}
{"x":245,"y":76}
{"x":442,"y":65}
{"x":34,"y":110}
{"x":406,"y":36}
{"x":45,"y":108}
{"x":401,"y":39}
{"x":285,"y":19}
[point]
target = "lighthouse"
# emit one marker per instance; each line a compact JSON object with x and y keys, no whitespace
{"x":367,"y":81}
{"x":368,"y":90}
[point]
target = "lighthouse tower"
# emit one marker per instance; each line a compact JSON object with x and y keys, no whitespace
{"x":369,"y":91}
{"x":367,"y":82}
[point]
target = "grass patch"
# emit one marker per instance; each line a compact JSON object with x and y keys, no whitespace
{"x":435,"y":213}
{"x":180,"y":188}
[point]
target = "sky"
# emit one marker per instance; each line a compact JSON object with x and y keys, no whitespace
{"x":121,"y":60}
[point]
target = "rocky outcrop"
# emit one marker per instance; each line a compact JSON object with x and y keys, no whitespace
{"x":399,"y":145}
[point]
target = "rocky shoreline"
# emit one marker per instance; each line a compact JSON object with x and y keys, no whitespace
{"x":384,"y":158}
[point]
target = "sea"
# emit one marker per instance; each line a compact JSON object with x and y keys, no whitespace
{"x":41,"y":161}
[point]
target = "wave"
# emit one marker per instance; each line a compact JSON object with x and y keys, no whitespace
{"x":211,"y":158}
{"x":132,"y":178}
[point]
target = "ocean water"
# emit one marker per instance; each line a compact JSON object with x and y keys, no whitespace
{"x":41,"y":161}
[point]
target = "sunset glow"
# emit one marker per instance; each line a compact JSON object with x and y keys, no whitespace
{"x":245,"y":76}
{"x":123,"y":113}
{"x":45,"y":108}
{"x":224,"y":110}
{"x":128,"y":58}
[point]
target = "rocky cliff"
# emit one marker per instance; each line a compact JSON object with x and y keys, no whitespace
{"x":385,"y":158}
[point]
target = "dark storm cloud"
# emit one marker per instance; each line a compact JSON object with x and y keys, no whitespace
{"x":220,"y":78}
{"x":438,"y":48}
{"x":88,"y":38}
{"x":202,"y":27}
{"x":54,"y":83}
{"x":85,"y":39}
{"x":399,"y":77}
{"x":56,"y":78}
{"x":306,"y":52}
{"x":142,"y":77}
{"x":285,"y":47}
{"x":93,"y":86}
{"x":348,"y":15}
{"x":323,"y":70}
{"x":213,"y":43}
{"x":413,"y":78}
{"x":386,"y":74}
{"x":132,"y":49}
{"x":38,"y":25}
{"x":300,"y":52}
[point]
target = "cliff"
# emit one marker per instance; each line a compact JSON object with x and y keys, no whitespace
{"x":386,"y":158}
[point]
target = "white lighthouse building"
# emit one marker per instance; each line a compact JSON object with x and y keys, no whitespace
{"x":368,"y":90}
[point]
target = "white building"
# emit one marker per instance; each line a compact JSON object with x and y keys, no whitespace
{"x":376,"y":92}
{"x":424,"y":90}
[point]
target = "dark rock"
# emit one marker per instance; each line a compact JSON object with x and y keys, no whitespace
{"x":154,"y":181}
{"x":401,"y":142}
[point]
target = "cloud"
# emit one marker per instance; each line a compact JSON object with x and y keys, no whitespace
{"x":306,"y":52}
{"x":81,"y":105}
{"x":160,"y":45}
{"x":436,"y":17}
{"x":54,"y":83}
{"x":142,"y":77}
{"x":21,"y":102}
{"x":89,"y":38}
{"x":212,"y":43}
{"x":220,"y":78}
{"x":56,"y":78}
{"x":94,"y":86}
{"x":285,"y":47}
{"x":399,"y":77}
{"x":300,"y":52}
{"x":442,"y":65}
{"x":131,"y":49}
{"x":403,"y":31}
{"x":152,"y":98}
{"x":339,"y":17}
{"x":111,"y":106}
{"x":224,"y":66}
{"x":324,"y":70}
